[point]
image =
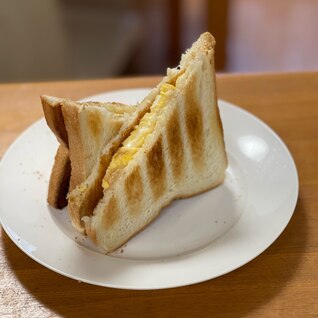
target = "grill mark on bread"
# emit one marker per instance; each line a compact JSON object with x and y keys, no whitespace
{"x":71,"y":117}
{"x":220,"y":130}
{"x":156,"y":169}
{"x":59,"y":124}
{"x":175,"y":145}
{"x":194,"y":124}
{"x":111,"y":215}
{"x":94,"y":123}
{"x":134,"y":190}
{"x":95,"y":192}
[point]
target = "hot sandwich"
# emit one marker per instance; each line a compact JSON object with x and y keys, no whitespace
{"x":170,"y":147}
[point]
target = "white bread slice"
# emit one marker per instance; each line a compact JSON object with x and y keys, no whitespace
{"x":85,"y":119}
{"x":183,"y":156}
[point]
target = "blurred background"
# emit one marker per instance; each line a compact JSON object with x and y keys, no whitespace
{"x":75,"y":39}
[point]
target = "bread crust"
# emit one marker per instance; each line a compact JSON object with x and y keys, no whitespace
{"x":71,"y":115}
{"x":59,"y":179}
{"x":52,"y":108}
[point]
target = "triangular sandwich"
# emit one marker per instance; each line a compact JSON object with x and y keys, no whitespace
{"x":171,"y":147}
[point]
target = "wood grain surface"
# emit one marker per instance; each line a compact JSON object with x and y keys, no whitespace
{"x":281,"y":282}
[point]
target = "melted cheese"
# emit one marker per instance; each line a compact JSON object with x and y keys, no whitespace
{"x":137,"y":138}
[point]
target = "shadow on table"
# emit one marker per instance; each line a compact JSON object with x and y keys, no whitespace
{"x":233,"y":295}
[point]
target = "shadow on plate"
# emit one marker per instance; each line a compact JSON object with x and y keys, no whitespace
{"x":235,"y":294}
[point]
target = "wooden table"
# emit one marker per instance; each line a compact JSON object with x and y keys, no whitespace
{"x":281,"y":282}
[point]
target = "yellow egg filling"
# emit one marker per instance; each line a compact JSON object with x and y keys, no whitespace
{"x":137,"y":137}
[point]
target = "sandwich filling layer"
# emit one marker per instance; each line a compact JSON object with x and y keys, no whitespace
{"x":137,"y":137}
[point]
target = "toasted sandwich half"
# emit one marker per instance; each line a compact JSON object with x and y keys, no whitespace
{"x":82,"y":130}
{"x":172,"y":147}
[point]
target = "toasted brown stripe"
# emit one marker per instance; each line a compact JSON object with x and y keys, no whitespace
{"x":134,"y":190}
{"x":94,"y":123}
{"x":59,"y":124}
{"x":175,"y":145}
{"x":71,"y":116}
{"x":194,"y":124}
{"x":95,"y":192}
{"x":156,"y":169}
{"x":111,"y":214}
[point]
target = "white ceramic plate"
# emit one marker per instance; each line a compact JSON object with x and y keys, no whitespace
{"x":193,"y":240}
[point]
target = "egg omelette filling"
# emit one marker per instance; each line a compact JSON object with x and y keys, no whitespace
{"x":137,"y":137}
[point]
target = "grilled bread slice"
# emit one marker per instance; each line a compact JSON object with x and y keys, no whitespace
{"x":91,"y":125}
{"x":176,"y":150}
